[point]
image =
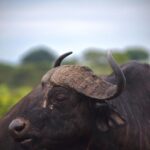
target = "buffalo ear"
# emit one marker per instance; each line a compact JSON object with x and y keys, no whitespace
{"x":107,"y":118}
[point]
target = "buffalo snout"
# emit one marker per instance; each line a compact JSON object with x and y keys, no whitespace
{"x":18,"y":127}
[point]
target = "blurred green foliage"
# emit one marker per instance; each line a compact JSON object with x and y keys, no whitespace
{"x":39,"y":55}
{"x":9,"y":97}
{"x":16,"y":81}
{"x":94,"y":56}
{"x":28,"y":74}
{"x":120,"y":57}
{"x":137,"y":53}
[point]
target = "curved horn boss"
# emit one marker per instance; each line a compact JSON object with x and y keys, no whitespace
{"x":84,"y":81}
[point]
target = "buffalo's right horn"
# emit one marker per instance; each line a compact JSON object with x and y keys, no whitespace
{"x":60,"y":59}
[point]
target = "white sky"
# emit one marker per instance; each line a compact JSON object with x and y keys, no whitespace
{"x":75,"y":25}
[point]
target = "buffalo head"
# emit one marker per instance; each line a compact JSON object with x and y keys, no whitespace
{"x":67,"y":108}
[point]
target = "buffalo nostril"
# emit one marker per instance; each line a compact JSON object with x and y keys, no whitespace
{"x":18,"y":126}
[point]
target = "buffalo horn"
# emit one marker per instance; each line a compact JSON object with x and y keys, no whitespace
{"x":60,"y":59}
{"x":121,"y":80}
{"x":83,"y":80}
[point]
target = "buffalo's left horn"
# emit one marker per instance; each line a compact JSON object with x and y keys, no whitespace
{"x":121,"y":80}
{"x":60,"y":59}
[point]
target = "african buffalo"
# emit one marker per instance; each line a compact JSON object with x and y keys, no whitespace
{"x":73,"y":109}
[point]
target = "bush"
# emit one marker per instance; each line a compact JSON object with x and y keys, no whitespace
{"x":137,"y":53}
{"x":9,"y":97}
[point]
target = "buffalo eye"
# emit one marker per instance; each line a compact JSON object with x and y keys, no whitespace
{"x":60,"y":97}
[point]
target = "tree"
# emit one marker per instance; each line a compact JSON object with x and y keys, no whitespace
{"x":28,"y":74}
{"x":6,"y":73}
{"x":94,"y":56}
{"x":39,"y":55}
{"x":120,"y":57}
{"x":137,"y":53}
{"x":96,"y":60}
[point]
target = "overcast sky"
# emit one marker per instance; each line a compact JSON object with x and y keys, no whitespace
{"x":72,"y":25}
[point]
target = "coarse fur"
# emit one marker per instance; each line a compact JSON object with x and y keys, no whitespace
{"x":134,"y":105}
